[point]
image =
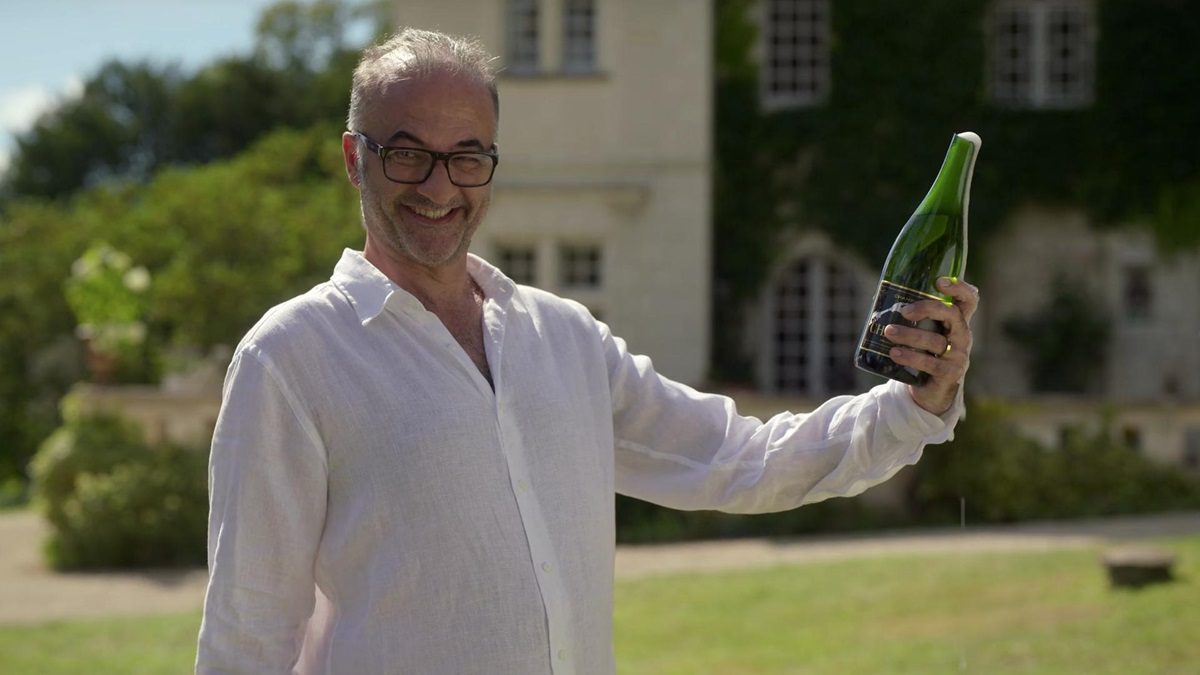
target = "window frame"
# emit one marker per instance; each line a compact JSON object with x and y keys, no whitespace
{"x":1057,"y":76}
{"x":579,"y":51}
{"x":523,"y":37}
{"x":523,"y":271}
{"x":809,"y":86}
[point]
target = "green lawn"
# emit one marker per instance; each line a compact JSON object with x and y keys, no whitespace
{"x":1041,"y":613}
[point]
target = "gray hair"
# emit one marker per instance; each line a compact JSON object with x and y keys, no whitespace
{"x":412,"y":53}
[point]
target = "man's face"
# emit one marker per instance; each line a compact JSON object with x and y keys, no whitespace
{"x":429,"y":223}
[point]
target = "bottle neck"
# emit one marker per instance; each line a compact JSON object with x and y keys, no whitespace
{"x":952,"y":188}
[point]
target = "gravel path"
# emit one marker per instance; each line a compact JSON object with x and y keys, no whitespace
{"x":29,"y":593}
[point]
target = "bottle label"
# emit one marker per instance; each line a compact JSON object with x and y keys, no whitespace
{"x":888,"y":301}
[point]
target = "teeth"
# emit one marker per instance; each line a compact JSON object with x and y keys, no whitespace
{"x":428,"y":213}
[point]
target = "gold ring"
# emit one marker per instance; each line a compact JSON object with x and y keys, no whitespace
{"x":946,"y":350}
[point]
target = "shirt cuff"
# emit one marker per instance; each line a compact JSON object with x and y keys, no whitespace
{"x":909,"y":421}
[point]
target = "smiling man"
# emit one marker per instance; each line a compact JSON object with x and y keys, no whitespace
{"x":415,"y":463}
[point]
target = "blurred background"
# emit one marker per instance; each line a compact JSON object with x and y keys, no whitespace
{"x":719,"y":180}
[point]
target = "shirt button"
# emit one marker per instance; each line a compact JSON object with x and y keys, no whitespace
{"x":562,"y":655}
{"x":547,"y":567}
{"x":523,"y":485}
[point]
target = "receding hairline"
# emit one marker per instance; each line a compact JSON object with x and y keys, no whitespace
{"x":412,"y":54}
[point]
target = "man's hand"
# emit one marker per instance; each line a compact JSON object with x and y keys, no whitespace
{"x":917,"y":348}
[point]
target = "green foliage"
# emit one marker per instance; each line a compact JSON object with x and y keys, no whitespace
{"x":1002,"y":475}
{"x":114,"y":502}
{"x":134,"y":119}
{"x":85,"y":444}
{"x":106,"y":293}
{"x":1065,"y":342}
{"x":642,"y":522}
{"x":149,"y":513}
{"x":223,"y":242}
{"x":907,"y":76}
{"x":119,"y":126}
{"x":1005,"y":477}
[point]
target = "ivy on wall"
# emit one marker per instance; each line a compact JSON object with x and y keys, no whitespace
{"x":906,"y":77}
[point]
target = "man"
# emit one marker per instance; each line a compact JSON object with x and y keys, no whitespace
{"x":415,"y":463}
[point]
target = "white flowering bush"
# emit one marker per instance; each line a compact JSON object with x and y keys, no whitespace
{"x":107,"y":293}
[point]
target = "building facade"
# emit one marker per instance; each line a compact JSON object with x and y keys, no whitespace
{"x":603,"y":189}
{"x":1041,"y":62}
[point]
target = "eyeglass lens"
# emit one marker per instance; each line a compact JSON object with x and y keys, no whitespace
{"x":414,"y":166}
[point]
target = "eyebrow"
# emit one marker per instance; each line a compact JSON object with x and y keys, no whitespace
{"x":403,"y":135}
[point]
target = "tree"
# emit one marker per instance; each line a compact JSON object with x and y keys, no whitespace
{"x":120,"y":126}
{"x":223,"y":242}
{"x":134,"y":119}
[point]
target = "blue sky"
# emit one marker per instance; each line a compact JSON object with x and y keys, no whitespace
{"x":48,"y":47}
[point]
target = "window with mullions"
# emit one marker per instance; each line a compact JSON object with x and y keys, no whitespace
{"x":518,"y":262}
{"x":521,"y":52}
{"x":579,"y":266}
{"x":795,"y":68}
{"x":1042,"y":53}
{"x":815,"y":328}
{"x":579,"y":36}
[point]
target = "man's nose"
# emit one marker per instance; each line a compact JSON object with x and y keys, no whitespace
{"x":438,"y":186}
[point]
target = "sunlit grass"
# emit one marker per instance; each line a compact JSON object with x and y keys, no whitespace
{"x":1045,"y":613}
{"x":1039,"y":613}
{"x":118,"y":646}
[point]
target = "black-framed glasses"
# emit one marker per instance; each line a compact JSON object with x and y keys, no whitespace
{"x":466,"y":168}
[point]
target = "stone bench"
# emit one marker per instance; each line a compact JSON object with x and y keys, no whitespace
{"x":1135,"y":567}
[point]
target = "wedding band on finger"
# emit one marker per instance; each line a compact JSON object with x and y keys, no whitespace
{"x":946,"y":350}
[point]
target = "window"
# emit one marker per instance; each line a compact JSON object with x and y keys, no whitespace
{"x":816,"y":326}
{"x":579,"y":36}
{"x":1042,"y":53}
{"x":579,"y":266}
{"x":521,"y":53}
{"x":1137,"y":293}
{"x":519,"y":263}
{"x":795,"y":70}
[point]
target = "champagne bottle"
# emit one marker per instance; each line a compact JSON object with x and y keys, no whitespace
{"x":932,"y":244}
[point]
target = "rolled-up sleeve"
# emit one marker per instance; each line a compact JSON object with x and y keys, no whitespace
{"x":267,"y":497}
{"x":685,"y":449}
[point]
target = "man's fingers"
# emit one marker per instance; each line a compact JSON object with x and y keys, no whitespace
{"x":966,"y":296}
{"x":951,"y":316}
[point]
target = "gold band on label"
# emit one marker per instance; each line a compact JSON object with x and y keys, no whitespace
{"x":865,"y":349}
{"x":911,"y":290}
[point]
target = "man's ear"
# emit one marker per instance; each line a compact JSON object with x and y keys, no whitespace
{"x":350,"y":155}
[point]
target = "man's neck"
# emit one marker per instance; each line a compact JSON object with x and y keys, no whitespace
{"x":445,"y":288}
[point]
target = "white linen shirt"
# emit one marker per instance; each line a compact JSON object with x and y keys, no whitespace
{"x":377,"y":508}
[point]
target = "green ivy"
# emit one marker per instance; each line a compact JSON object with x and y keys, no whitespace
{"x":905,"y":78}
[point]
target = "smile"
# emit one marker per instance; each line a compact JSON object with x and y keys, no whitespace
{"x":431,"y":214}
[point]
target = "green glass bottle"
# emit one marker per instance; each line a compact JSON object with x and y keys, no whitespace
{"x":932,"y":244}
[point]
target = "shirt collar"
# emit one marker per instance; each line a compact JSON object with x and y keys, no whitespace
{"x":369,"y":290}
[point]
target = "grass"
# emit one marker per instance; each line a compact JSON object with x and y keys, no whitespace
{"x":1046,"y":613}
{"x":119,"y":646}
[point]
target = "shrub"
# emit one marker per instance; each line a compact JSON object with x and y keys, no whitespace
{"x":113,"y":501}
{"x":642,"y":522}
{"x":1006,"y":477}
{"x":139,"y":514}
{"x":92,"y":443}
